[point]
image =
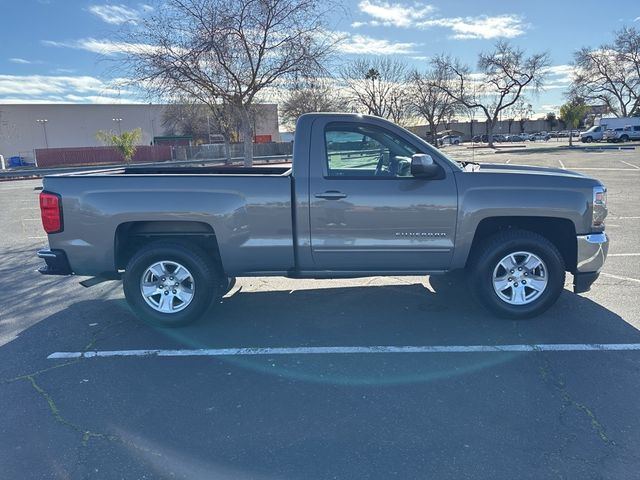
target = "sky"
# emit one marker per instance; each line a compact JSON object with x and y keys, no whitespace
{"x":63,"y":51}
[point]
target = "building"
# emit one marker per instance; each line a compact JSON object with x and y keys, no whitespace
{"x":25,"y":127}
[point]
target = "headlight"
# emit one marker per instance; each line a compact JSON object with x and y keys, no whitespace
{"x":599,"y":207}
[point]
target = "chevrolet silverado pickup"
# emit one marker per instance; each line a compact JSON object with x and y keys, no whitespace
{"x":363,"y":197}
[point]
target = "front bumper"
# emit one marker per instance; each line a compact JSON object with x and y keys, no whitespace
{"x":592,"y":252}
{"x":56,"y":262}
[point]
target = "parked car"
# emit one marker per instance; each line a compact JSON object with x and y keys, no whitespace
{"x":541,"y":136}
{"x":622,"y":134}
{"x":515,"y":138}
{"x":372,"y":199}
{"x":450,"y":140}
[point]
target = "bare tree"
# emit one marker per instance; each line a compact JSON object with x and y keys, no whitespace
{"x":378,"y":86}
{"x":201,"y":121}
{"x":186,"y":119}
{"x":520,"y":111}
{"x":611,"y":73}
{"x":429,"y":100}
{"x":226,"y":52}
{"x":311,"y":95}
{"x":502,"y":77}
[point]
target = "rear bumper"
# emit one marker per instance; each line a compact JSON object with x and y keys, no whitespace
{"x":592,"y":253}
{"x":56,"y":262}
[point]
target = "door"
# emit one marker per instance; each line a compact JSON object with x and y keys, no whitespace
{"x":367,"y":212}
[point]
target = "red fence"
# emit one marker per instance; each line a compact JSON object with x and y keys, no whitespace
{"x":57,"y":157}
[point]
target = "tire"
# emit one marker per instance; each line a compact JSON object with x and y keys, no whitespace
{"x":624,"y":138}
{"x":486,"y":266}
{"x":588,"y":139}
{"x":181,"y":300}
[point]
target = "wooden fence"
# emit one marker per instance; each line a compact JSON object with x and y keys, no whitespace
{"x":58,"y":157}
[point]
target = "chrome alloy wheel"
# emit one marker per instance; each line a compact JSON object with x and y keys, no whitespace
{"x":167,"y":287}
{"x":520,"y":278}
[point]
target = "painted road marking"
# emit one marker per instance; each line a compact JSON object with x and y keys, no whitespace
{"x":225,"y":352}
{"x":630,"y":164}
{"x":623,"y":254}
{"x":561,"y":164}
{"x":609,"y":169}
{"x":618,"y":277}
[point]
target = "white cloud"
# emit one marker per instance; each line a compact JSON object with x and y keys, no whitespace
{"x":102,"y":47}
{"x":421,"y":15}
{"x":365,"y":45}
{"x":61,"y":89}
{"x":21,"y":61}
{"x":559,"y":76}
{"x":118,"y":14}
{"x":395,"y":14}
{"x":482,"y":27}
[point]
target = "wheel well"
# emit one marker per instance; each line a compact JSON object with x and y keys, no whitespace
{"x":559,"y":231}
{"x":131,"y":236}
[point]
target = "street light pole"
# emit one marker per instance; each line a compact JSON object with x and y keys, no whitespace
{"x":118,"y":120}
{"x":43,"y":122}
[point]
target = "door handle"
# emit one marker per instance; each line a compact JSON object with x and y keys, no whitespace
{"x":331,"y":195}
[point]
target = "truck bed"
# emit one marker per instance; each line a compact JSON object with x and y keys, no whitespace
{"x":248,"y":209}
{"x":168,"y":170}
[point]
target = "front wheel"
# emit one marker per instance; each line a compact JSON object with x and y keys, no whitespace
{"x":517,"y":274}
{"x":170,"y":284}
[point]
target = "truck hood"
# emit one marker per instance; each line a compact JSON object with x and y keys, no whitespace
{"x":527,"y":170}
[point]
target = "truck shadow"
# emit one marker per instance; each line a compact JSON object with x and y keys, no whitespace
{"x":404,"y":314}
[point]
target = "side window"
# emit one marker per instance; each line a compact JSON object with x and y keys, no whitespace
{"x":636,"y":128}
{"x":366,"y":151}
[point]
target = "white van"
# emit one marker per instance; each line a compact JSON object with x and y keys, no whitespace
{"x":601,"y":125}
{"x":594,"y":134}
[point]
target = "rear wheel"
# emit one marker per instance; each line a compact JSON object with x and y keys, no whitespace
{"x":624,"y":138}
{"x":517,"y":274}
{"x":588,"y":139}
{"x":170,"y":284}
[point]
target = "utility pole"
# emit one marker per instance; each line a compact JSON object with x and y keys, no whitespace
{"x":43,"y":122}
{"x":119,"y":128}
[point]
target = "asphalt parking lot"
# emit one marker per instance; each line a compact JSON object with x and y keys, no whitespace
{"x":298,"y":402}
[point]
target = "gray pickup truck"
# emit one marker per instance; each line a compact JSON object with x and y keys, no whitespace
{"x":363,"y":197}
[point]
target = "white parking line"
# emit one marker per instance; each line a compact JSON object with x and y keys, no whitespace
{"x":607,"y":169}
{"x":225,"y":352}
{"x":618,"y":277}
{"x":630,"y":164}
{"x":561,"y":164}
{"x":623,"y":254}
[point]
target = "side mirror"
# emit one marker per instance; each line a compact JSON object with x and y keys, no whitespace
{"x":422,"y":165}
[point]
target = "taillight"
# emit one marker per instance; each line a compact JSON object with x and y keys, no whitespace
{"x":51,"y":212}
